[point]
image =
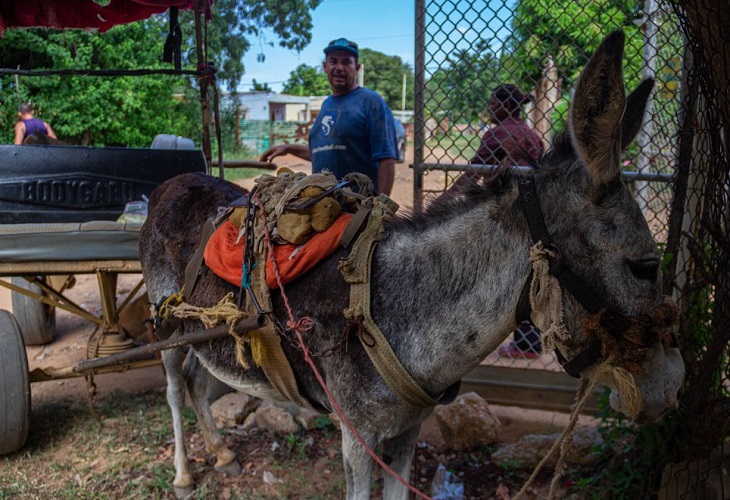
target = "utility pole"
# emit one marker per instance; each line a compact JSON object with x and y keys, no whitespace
{"x":403,"y":108}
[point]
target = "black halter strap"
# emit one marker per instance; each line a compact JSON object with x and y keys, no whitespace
{"x":558,"y":268}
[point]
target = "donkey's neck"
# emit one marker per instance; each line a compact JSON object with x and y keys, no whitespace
{"x":446,"y":294}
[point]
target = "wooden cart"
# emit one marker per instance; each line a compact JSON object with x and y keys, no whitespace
{"x":59,"y":207}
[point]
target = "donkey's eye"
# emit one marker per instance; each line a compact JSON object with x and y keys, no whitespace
{"x":645,"y":269}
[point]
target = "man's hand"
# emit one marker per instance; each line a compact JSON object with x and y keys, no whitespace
{"x":299,"y":150}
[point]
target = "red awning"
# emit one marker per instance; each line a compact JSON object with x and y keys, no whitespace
{"x":84,"y":14}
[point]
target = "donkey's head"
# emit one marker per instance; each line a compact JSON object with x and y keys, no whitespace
{"x":617,"y":329}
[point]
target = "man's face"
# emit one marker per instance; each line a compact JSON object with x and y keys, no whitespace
{"x":341,"y":68}
{"x":498,"y":111}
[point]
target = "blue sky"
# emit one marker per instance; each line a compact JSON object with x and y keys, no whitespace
{"x":387,"y":26}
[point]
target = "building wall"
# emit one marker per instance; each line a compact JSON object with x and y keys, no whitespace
{"x":257,"y":104}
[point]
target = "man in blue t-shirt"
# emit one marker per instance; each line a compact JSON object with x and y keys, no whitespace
{"x":354,"y":130}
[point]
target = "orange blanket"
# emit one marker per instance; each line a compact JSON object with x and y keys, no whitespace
{"x":225,"y":258}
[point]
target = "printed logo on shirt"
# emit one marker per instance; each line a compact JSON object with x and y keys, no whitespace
{"x":329,"y":147}
{"x":327,"y":123}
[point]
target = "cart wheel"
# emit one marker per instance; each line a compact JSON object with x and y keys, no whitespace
{"x":37,"y":320}
{"x":14,"y":386}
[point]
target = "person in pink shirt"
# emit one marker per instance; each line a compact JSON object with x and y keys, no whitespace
{"x":511,"y":139}
{"x":511,"y":142}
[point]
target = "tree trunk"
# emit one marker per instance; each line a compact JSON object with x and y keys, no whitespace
{"x":546,"y":97}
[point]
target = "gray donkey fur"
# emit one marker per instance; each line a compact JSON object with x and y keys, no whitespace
{"x":445,"y":284}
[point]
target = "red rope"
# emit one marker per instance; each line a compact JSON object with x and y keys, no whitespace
{"x":303,"y":324}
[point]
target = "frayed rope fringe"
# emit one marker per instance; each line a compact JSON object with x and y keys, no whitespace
{"x":225,"y":312}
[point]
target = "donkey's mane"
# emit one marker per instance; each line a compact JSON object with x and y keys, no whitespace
{"x":476,"y":191}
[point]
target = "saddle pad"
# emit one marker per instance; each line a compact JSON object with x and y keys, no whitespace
{"x":224,"y":256}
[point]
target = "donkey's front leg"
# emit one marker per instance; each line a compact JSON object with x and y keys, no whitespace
{"x":358,"y":465}
{"x":173,"y":362}
{"x":201,"y":386}
{"x":399,"y":451}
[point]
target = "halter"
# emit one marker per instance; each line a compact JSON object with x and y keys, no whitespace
{"x":558,"y":268}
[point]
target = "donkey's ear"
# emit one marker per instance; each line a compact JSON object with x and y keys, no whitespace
{"x":635,"y":108}
{"x":598,"y":105}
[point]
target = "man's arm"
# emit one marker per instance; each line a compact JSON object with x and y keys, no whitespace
{"x":50,"y":131}
{"x":19,"y":132}
{"x":386,"y":175}
{"x":298,"y":150}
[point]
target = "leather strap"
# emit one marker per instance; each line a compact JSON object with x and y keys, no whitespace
{"x":356,"y":271}
{"x":558,"y":268}
{"x":356,"y":222}
{"x":192,"y":270}
{"x":274,"y":363}
{"x":582,"y":360}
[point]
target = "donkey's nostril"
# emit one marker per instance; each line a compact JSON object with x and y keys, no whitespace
{"x":645,"y":269}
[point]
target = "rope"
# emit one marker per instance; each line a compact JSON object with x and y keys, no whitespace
{"x":546,"y":299}
{"x":224,"y":311}
{"x":303,"y":324}
{"x":164,"y":310}
{"x":564,"y":440}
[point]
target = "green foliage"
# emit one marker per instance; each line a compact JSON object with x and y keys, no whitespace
{"x":463,"y":86}
{"x":236,"y":22}
{"x":260,"y":87}
{"x":569,"y":32}
{"x":296,"y":446}
{"x":131,"y":110}
{"x":630,"y":457}
{"x":307,"y":80}
{"x":384,"y":74}
{"x":110,"y":111}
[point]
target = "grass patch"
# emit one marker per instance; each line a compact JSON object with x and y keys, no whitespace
{"x":71,"y":454}
{"x":233,"y":174}
{"x":461,"y":148}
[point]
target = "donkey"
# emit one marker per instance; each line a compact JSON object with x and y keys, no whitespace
{"x":446,"y":286}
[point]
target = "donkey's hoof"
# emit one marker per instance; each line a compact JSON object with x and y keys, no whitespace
{"x":232,"y":468}
{"x":183,"y":492}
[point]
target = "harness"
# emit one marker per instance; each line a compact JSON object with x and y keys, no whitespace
{"x":356,"y":270}
{"x":560,"y":270}
{"x":266,"y":347}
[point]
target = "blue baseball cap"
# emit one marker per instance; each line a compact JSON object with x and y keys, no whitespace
{"x":342,"y":44}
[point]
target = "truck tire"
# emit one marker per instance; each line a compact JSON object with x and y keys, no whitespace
{"x":37,"y":320}
{"x":14,"y":386}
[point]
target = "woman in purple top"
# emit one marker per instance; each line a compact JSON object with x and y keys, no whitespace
{"x":28,"y":124}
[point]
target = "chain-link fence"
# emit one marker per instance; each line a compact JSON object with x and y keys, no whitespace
{"x":677,"y":168}
{"x":259,"y":135}
{"x":494,"y":78}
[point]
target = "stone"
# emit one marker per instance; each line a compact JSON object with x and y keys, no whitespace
{"x":231,"y":409}
{"x":468,"y":422}
{"x":276,"y":420}
{"x":250,"y":422}
{"x":530,"y":449}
